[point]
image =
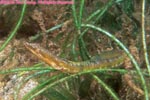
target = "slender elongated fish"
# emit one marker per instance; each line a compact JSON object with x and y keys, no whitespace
{"x":108,"y":59}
